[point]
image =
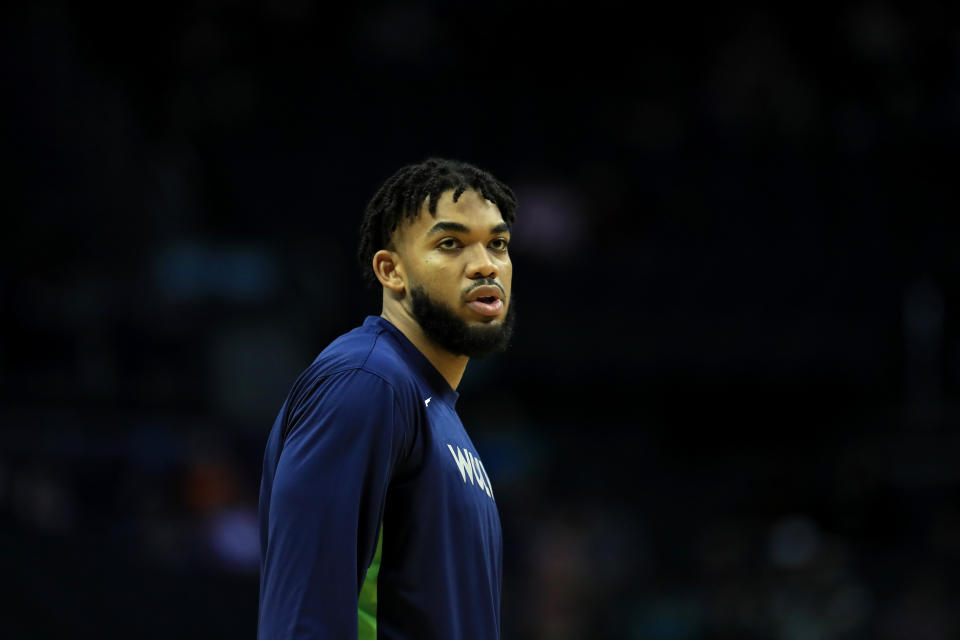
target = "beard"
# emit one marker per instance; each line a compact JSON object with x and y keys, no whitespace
{"x":447,"y":329}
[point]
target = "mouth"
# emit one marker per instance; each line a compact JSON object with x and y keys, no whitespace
{"x":487,"y":305}
{"x":486,"y":300}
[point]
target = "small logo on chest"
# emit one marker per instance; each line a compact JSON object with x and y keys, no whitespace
{"x":471,"y":468}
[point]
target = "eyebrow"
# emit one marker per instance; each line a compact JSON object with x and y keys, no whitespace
{"x":503,"y":227}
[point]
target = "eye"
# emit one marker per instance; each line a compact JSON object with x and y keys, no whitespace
{"x":449,"y":244}
{"x":499,"y":244}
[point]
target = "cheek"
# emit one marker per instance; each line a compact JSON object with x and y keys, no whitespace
{"x":434,"y":271}
{"x":437,"y":277}
{"x":506,"y":273}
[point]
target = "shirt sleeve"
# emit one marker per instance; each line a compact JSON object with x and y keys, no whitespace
{"x":326,"y":503}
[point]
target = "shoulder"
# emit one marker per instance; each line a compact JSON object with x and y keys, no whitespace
{"x":361,"y":378}
{"x":362,"y":361}
{"x":373,"y":349}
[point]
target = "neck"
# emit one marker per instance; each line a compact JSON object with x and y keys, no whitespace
{"x":451,"y":366}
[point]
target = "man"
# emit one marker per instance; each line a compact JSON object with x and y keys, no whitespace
{"x":376,"y":513}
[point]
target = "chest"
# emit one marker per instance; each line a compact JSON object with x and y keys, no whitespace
{"x":454,"y":473}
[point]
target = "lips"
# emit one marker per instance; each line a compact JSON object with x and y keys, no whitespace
{"x":491,"y":308}
{"x":486,"y":300}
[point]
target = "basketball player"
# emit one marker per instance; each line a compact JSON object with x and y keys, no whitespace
{"x":377,"y":515}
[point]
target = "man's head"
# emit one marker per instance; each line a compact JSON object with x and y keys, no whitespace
{"x":435,"y":238}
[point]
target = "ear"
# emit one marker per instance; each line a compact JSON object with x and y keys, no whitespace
{"x":389,"y":271}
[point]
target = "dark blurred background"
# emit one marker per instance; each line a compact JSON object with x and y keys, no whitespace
{"x":731,"y":407}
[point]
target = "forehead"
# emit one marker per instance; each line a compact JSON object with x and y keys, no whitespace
{"x":471,"y":210}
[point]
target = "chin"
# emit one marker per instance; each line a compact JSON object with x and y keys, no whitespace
{"x":462,"y":330}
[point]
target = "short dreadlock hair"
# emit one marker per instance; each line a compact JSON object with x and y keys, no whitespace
{"x":403,"y":194}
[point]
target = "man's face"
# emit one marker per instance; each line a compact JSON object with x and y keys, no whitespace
{"x":459,"y":274}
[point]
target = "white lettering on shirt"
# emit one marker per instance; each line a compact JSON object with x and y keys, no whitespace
{"x":471,"y":467}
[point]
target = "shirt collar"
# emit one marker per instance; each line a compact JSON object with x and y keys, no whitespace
{"x":416,"y":360}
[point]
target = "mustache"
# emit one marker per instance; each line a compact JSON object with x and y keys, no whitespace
{"x":486,"y":282}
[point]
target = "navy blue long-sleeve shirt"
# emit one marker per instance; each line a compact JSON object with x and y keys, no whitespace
{"x":368,"y":457}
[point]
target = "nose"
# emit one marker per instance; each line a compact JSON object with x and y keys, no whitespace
{"x":479,"y":263}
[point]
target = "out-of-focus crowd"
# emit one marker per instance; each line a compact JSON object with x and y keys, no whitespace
{"x":606,"y":536}
{"x":732,"y":406}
